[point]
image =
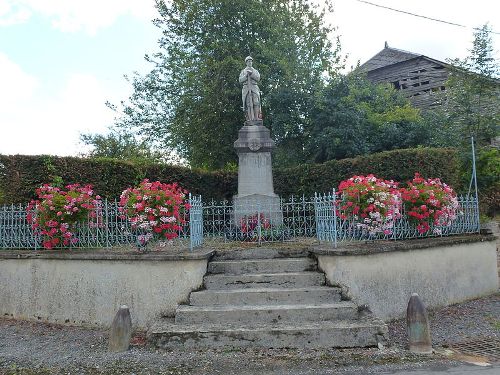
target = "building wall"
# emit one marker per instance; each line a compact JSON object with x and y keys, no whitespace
{"x":419,"y":79}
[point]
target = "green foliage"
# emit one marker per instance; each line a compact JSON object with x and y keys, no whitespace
{"x":488,"y":172}
{"x":397,"y":165}
{"x":354,"y":117}
{"x":118,"y":144}
{"x":191,"y":99}
{"x":21,"y":175}
{"x":471,"y":105}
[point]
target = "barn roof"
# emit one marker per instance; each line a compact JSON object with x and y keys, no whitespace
{"x":387,"y":56}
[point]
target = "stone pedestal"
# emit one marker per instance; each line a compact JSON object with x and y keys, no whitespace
{"x":255,"y":176}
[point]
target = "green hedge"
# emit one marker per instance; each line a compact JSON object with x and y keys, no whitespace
{"x":20,"y":175}
{"x":398,"y":165}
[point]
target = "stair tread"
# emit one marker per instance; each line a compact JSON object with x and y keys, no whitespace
{"x":167,"y":326}
{"x":264,"y":260}
{"x":313,"y":288}
{"x":286,"y":274}
{"x":221,"y":308}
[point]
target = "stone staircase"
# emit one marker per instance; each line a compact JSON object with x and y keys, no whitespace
{"x":270,"y":299}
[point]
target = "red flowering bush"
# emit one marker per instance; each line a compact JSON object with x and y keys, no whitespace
{"x":55,"y":212}
{"x":371,"y":202}
{"x":155,"y":208}
{"x":429,"y":202}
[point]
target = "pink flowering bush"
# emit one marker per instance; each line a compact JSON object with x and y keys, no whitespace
{"x":56,"y":210}
{"x":429,"y":202}
{"x":249,"y":223}
{"x":372,"y":203}
{"x":155,"y":209}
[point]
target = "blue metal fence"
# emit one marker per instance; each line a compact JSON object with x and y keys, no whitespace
{"x":108,"y":229}
{"x":213,"y":222}
{"x":333,"y":229}
{"x":256,"y":221}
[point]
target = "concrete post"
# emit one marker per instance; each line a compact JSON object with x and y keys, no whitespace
{"x":121,"y":331}
{"x":419,"y":333}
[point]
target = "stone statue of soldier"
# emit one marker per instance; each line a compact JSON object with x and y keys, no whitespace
{"x":250,"y":94}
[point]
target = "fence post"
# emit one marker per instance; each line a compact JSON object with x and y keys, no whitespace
{"x":106,"y":222}
{"x":474,"y":176}
{"x":191,"y":226}
{"x":334,"y":219}
{"x":317,"y":217}
{"x":195,"y":222}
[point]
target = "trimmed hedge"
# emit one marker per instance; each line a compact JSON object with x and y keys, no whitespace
{"x":397,"y":165}
{"x":20,"y":175}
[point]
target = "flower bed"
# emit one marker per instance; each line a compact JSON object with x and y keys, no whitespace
{"x":373,"y":203}
{"x":155,"y":209}
{"x":56,"y":211}
{"x":429,"y":202}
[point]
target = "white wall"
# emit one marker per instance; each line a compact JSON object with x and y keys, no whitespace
{"x":89,"y":291}
{"x":440,"y":275}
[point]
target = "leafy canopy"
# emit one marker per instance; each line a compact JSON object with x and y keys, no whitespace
{"x":190,"y":101}
{"x":471,"y":105}
{"x":353,"y":116}
{"x":122,"y":145}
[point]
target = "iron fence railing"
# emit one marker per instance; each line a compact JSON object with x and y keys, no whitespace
{"x":258,"y":221}
{"x":109,"y":228}
{"x":222,"y":222}
{"x":332,"y":228}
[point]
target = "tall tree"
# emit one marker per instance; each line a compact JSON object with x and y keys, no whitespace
{"x":472,"y":99}
{"x":120,"y":144}
{"x":353,"y":116}
{"x":191,"y":99}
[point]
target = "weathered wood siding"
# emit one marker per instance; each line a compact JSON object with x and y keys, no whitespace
{"x":419,"y":79}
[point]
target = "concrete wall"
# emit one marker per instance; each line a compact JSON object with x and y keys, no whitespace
{"x":89,"y":291}
{"x":441,"y":275}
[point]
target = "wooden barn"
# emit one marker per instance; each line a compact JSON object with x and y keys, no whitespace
{"x":418,"y":77}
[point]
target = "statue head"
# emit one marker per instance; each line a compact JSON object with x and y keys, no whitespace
{"x":249,"y":61}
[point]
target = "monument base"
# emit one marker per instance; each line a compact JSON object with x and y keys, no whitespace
{"x":255,"y":202}
{"x":264,"y":208}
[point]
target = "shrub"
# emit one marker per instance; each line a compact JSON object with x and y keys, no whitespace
{"x":372,"y":203}
{"x":56,"y":211}
{"x":397,"y":165}
{"x":20,"y":175}
{"x":429,"y":202}
{"x":155,"y":209}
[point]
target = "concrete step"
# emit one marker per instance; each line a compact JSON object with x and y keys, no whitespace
{"x":266,"y":296}
{"x":261,"y":253}
{"x":265,"y":280}
{"x":340,"y":334}
{"x":344,"y":310}
{"x":276,"y":265}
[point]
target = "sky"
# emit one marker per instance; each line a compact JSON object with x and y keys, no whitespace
{"x":61,"y":60}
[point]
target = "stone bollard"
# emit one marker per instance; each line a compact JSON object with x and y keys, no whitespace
{"x":417,"y":321}
{"x":121,"y":331}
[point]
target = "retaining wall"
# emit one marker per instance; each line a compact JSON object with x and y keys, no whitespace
{"x":87,"y":287}
{"x":383,"y":275}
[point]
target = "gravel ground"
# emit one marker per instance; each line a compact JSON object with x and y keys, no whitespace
{"x":36,"y":348}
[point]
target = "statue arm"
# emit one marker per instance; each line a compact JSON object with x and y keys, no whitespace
{"x":256,"y":75}
{"x":243,"y":76}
